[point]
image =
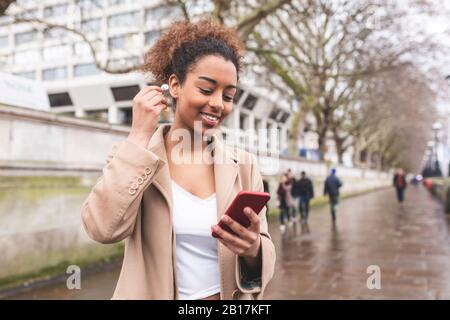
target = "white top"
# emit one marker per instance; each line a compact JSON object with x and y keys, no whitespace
{"x":196,"y":250}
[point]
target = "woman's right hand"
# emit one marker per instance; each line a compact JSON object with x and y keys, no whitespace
{"x":147,"y":106}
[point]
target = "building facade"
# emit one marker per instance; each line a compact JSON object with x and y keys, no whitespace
{"x":121,"y":31}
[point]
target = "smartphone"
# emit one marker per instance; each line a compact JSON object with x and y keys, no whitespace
{"x":252,"y":199}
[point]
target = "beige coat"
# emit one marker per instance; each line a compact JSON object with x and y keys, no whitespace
{"x":132,"y":200}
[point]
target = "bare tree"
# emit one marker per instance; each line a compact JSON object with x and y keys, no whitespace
{"x":396,"y":115}
{"x":323,"y":51}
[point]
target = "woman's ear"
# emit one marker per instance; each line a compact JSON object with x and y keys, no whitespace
{"x":174,"y":86}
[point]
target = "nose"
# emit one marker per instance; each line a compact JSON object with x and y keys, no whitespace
{"x":216,"y":102}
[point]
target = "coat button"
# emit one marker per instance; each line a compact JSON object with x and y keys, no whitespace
{"x":132,"y":191}
{"x":134,"y":186}
{"x":140,"y":180}
{"x":148,"y":171}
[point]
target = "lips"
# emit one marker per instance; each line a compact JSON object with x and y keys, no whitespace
{"x":209,"y":119}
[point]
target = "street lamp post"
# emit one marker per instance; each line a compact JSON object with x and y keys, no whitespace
{"x":436,"y":128}
{"x":428,"y":160}
{"x":447,"y":141}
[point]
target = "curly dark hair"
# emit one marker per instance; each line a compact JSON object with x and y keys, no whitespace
{"x":184,"y":43}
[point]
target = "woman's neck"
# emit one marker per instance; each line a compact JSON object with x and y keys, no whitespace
{"x":197,"y":141}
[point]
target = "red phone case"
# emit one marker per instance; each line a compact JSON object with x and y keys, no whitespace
{"x":252,"y":199}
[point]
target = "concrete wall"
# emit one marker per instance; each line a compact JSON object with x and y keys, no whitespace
{"x":40,"y":224}
{"x":38,"y":140}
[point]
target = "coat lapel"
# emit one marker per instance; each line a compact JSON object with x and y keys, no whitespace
{"x":225,"y":174}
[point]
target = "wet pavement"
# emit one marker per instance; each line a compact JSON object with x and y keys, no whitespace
{"x":409,"y":243}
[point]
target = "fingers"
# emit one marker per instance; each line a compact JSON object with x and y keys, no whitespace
{"x":230,"y":239}
{"x":148,"y":89}
{"x":155,"y":99}
{"x":151,"y":98}
{"x":254,"y":219}
{"x":239,"y":229}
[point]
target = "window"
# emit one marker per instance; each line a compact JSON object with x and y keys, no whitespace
{"x":250,"y":102}
{"x":24,"y":3}
{"x":274,"y":114}
{"x":56,"y":53}
{"x":242,"y":121}
{"x":124,"y":63}
{"x":97,"y":115}
{"x":128,"y":41}
{"x":123,"y":20}
{"x":25,"y":37}
{"x":159,"y":15}
{"x":4,"y":41}
{"x":124,"y":93}
{"x":284,"y":117}
{"x":55,"y":33}
{"x":93,"y":25}
{"x":82,"y":49}
{"x":151,"y":36}
{"x":85,"y":69}
{"x":238,"y":95}
{"x":60,"y":99}
{"x":4,"y":20}
{"x":28,"y":14}
{"x":118,"y":2}
{"x":56,"y":10}
{"x":117,"y":42}
{"x":258,"y":124}
{"x":54,"y":73}
{"x":26,"y":74}
{"x":89,"y":5}
{"x":126,"y":116}
{"x":26,"y":57}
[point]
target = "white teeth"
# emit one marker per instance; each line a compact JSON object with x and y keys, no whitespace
{"x":212,"y":118}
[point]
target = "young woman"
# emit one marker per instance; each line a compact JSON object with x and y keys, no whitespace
{"x":165,"y":208}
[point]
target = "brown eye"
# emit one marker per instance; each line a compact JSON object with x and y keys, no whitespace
{"x":205,"y":91}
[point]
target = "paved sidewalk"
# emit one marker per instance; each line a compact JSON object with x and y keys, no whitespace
{"x":410,"y":243}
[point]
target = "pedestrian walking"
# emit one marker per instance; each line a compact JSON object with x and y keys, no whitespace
{"x":284,"y":200}
{"x":399,"y":182}
{"x":305,"y":190}
{"x":331,"y":188}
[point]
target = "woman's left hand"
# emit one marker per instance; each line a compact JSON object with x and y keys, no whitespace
{"x":248,"y":240}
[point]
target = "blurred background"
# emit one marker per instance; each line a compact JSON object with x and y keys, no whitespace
{"x":359,"y":86}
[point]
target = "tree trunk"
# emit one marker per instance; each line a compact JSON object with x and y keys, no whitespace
{"x":322,"y":146}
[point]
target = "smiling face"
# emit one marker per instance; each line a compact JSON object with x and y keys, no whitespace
{"x":206,"y":95}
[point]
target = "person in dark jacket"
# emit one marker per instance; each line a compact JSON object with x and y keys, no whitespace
{"x":399,"y":182}
{"x":305,"y":190}
{"x":331,"y":188}
{"x":284,"y":199}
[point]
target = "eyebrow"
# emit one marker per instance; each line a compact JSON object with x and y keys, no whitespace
{"x":215,"y":82}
